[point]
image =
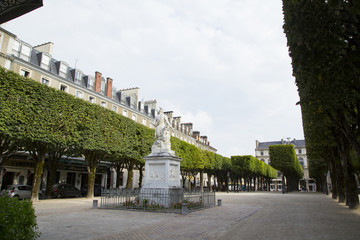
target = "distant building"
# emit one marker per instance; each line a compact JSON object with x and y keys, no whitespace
{"x":262,"y":153}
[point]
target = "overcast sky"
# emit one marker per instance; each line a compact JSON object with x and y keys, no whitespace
{"x":221,"y":64}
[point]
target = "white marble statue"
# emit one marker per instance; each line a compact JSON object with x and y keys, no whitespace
{"x":162,"y":134}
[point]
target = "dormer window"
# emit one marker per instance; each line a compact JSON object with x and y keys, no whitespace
{"x":25,"y":52}
{"x":114,"y":92}
{"x":103,"y":86}
{"x":63,"y":69}
{"x":90,"y":82}
{"x":16,"y":48}
{"x":45,"y":60}
{"x":78,"y":76}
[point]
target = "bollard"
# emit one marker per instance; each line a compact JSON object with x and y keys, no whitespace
{"x":184,"y":208}
{"x":95,"y":204}
{"x":219,"y":202}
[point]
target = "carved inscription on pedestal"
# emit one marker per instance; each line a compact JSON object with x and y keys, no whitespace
{"x":173,"y":172}
{"x":156,"y":172}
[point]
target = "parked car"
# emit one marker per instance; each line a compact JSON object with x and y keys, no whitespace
{"x":97,"y":189}
{"x":65,"y":190}
{"x":17,"y":191}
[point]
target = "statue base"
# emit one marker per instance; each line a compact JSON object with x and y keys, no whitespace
{"x":162,"y":170}
{"x":162,"y":179}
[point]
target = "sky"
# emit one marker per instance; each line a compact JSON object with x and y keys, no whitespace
{"x":222,"y":64}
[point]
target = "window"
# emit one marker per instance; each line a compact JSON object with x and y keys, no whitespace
{"x":79,"y":94}
{"x":16,"y":48}
{"x":125,"y":113}
{"x":45,"y":81}
{"x":134,"y":117}
{"x":91,"y":99}
{"x":25,"y":52}
{"x":63,"y":69}
{"x":262,"y":153}
{"x":90,"y":82}
{"x":301,"y":161}
{"x":45,"y":61}
{"x":78,"y":75}
{"x":300,"y":151}
{"x":144,"y":121}
{"x":114,"y":108}
{"x":63,"y":88}
{"x":103,"y":104}
{"x":24,"y":73}
{"x":102,"y":86}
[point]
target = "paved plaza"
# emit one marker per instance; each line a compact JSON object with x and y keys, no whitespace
{"x":241,"y":216}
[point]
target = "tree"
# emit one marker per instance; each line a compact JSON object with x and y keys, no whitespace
{"x":324,"y":45}
{"x":283,"y":158}
{"x":11,"y":115}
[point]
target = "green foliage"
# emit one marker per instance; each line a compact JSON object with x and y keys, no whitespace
{"x":283,"y":158}
{"x":323,"y":39}
{"x":248,"y":166}
{"x":17,"y":219}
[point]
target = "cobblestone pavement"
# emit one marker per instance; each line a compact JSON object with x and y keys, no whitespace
{"x":241,"y":216}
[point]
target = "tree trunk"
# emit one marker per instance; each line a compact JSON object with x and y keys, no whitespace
{"x":283,"y":183}
{"x":51,"y":177}
{"x":130,"y":176}
{"x":352,"y":188}
{"x":340,"y":182}
{"x":118,"y":178}
{"x":38,"y":152}
{"x":325,"y":185}
{"x":140,"y":176}
{"x":183,"y":178}
{"x":201,"y":180}
{"x":209,"y":182}
{"x":91,"y":180}
{"x":333,"y":177}
{"x":91,"y":159}
{"x":38,"y":171}
{"x":240,"y":184}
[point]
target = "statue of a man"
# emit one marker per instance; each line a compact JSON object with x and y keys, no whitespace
{"x":162,"y":133}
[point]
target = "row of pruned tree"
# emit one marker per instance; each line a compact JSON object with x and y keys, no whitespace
{"x":255,"y":174}
{"x":50,"y":124}
{"x":324,"y":44}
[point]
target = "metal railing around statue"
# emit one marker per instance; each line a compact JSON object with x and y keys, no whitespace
{"x":161,"y":200}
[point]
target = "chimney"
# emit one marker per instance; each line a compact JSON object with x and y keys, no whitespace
{"x":109,"y":87}
{"x":196,"y":135}
{"x":98,"y":76}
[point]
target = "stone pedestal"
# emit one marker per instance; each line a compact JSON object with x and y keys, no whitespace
{"x":162,"y":179}
{"x":162,"y":171}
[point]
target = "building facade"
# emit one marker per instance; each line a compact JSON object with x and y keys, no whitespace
{"x":262,"y":153}
{"x":37,"y":63}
